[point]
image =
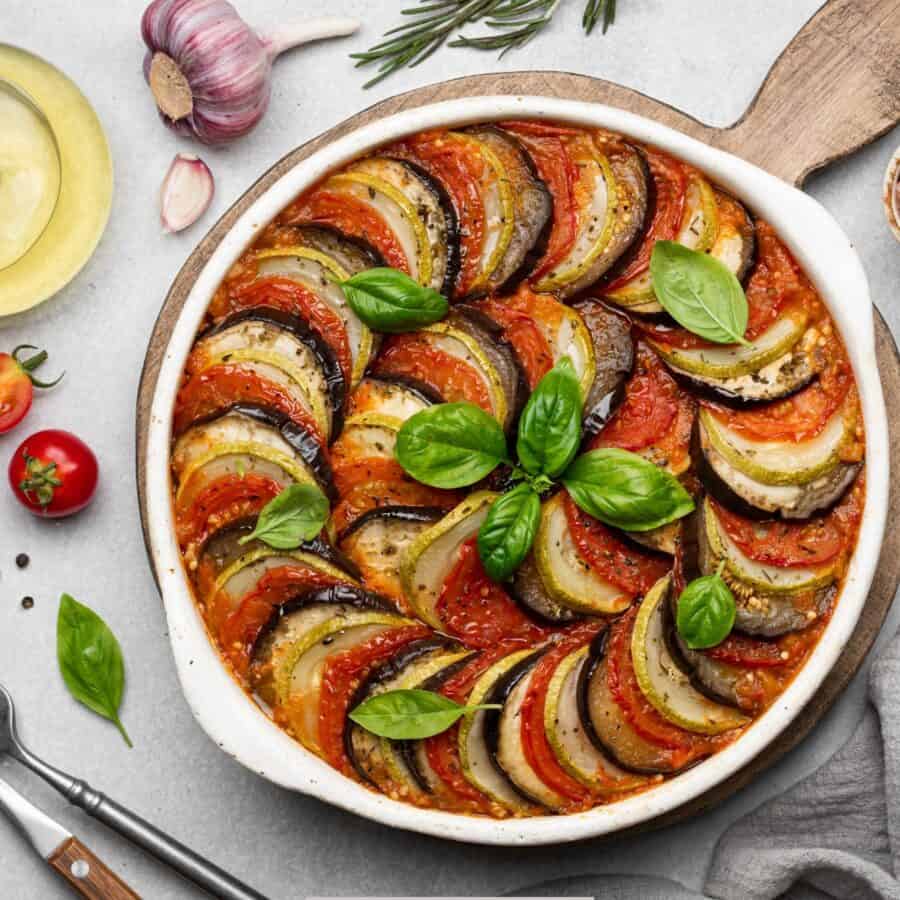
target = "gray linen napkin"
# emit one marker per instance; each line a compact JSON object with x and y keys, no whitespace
{"x":836,"y":834}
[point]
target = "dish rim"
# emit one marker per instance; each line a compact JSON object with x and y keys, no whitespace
{"x":228,"y":714}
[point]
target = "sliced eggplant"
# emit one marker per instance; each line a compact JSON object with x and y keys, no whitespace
{"x":528,"y":590}
{"x":608,"y":728}
{"x":735,"y":243}
{"x":297,"y":666}
{"x":395,"y":397}
{"x":613,"y":180}
{"x":367,"y":752}
{"x":478,"y":734}
{"x":275,"y":340}
{"x":513,"y":245}
{"x":320,"y":273}
{"x":664,"y":539}
{"x":255,"y":431}
{"x":567,"y":578}
{"x":415,"y":208}
{"x":771,"y":600}
{"x":660,"y":678}
{"x":429,"y":558}
{"x":718,"y":681}
{"x":699,"y":227}
{"x":610,"y":333}
{"x":569,"y":738}
{"x":779,"y":362}
{"x":351,"y":253}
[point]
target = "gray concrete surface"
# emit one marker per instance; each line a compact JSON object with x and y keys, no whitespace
{"x":706,"y":57}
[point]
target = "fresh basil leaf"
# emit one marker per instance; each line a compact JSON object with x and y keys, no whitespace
{"x":90,"y":660}
{"x":408,"y":715}
{"x":450,"y":445}
{"x":506,"y":535}
{"x":550,"y":424}
{"x":626,"y":491}
{"x":699,"y":292}
{"x":389,"y":300}
{"x":296,"y":515}
{"x":705,"y":613}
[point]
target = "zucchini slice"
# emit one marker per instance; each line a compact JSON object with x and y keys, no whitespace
{"x":699,"y":228}
{"x":416,"y":209}
{"x":380,"y":539}
{"x":429,"y":558}
{"x":282,"y":348}
{"x":528,"y":590}
{"x":613,"y":355}
{"x":391,"y":396}
{"x":567,"y":578}
{"x":569,"y":738}
{"x":476,"y":756}
{"x":519,"y":211}
{"x":369,"y":435}
{"x":298,"y":666}
{"x":660,"y":678}
{"x":319,"y":273}
{"x":248,"y":430}
{"x":771,"y":600}
{"x":503,"y":730}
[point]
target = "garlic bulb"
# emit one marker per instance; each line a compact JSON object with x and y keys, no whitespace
{"x":209,"y":72}
{"x":187,"y":190}
{"x":892,"y":193}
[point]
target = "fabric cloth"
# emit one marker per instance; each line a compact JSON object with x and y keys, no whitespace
{"x":836,"y":834}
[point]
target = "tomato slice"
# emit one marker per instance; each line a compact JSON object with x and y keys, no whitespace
{"x":643,"y":717}
{"x":240,"y":630}
{"x":547,"y":147}
{"x":526,"y":337}
{"x":459,"y":167}
{"x":16,"y":392}
{"x":411,"y":355}
{"x":341,"y":675}
{"x":351,"y":216}
{"x":750,"y":653}
{"x":669,"y":186}
{"x":225,"y":500}
{"x":655,"y":415}
{"x":215,"y":389}
{"x":535,"y":746}
{"x":623,"y":564}
{"x":479,"y":611}
{"x":793,"y":544}
{"x":292,"y":297}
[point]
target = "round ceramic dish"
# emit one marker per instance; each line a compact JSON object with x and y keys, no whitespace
{"x":231,"y":718}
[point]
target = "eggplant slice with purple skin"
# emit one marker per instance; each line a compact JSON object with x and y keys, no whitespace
{"x":528,"y":590}
{"x":293,"y":352}
{"x":610,"y":332}
{"x":532,"y":211}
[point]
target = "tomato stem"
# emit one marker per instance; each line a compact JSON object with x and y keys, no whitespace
{"x":41,"y":481}
{"x":29,"y":365}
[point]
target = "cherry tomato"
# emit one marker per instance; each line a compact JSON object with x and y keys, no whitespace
{"x":17,"y":384}
{"x":53,"y":474}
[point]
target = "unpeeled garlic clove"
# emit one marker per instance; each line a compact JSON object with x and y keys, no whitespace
{"x":892,"y":194}
{"x":187,"y":190}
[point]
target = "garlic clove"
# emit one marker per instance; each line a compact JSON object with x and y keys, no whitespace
{"x":892,"y":193}
{"x":187,"y":190}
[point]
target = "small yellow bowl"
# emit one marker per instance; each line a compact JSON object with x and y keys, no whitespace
{"x":62,"y":205}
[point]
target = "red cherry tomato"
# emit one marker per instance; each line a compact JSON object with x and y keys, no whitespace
{"x":53,"y":474}
{"x":17,"y":384}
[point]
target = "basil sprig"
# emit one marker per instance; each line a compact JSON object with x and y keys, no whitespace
{"x":699,"y":292}
{"x":296,"y":515}
{"x":625,"y":490}
{"x":453,"y":445}
{"x":450,"y":445}
{"x":408,"y":715}
{"x":389,"y":300}
{"x":90,"y":661}
{"x":705,"y":612}
{"x":550,"y":424}
{"x":506,"y":535}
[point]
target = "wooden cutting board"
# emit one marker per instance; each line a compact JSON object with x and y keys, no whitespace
{"x":835,"y":88}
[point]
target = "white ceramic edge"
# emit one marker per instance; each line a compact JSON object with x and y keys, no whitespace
{"x":234,"y":722}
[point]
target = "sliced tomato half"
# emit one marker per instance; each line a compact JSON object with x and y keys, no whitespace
{"x":634,"y":570}
{"x":479,"y":611}
{"x":341,"y":676}
{"x":531,"y":346}
{"x":416,"y":357}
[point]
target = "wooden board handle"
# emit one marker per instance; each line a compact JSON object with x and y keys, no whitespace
{"x":87,"y":875}
{"x":835,"y":87}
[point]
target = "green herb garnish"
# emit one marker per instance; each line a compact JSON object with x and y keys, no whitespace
{"x":296,"y":515}
{"x":388,"y":300}
{"x":705,"y":612}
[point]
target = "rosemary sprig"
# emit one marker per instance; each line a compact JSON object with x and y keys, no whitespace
{"x":433,"y":22}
